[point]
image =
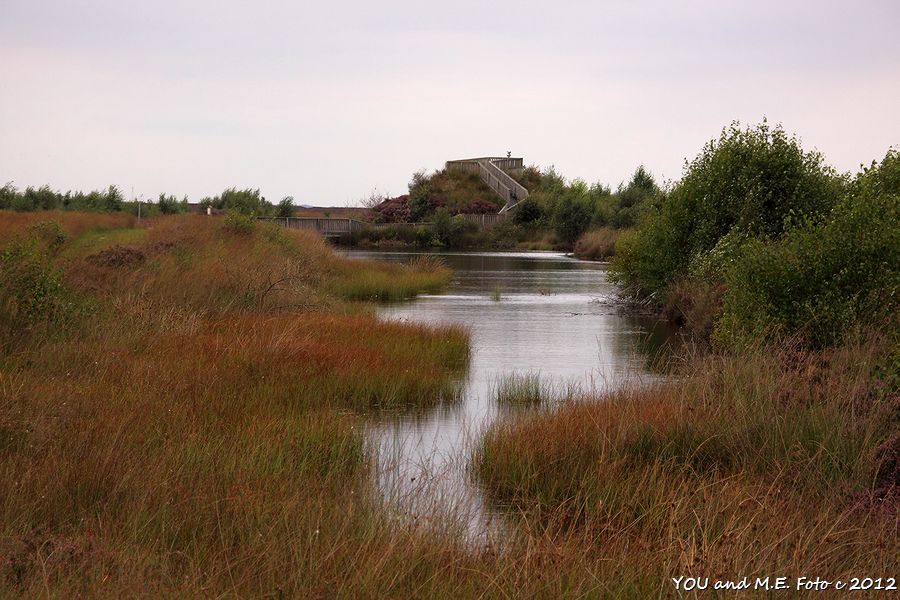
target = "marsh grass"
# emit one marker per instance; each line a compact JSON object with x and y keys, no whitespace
{"x":198,"y":432}
{"x":745,"y":465}
{"x":522,"y":389}
{"x":597,"y":244}
{"x":382,"y":281}
{"x":74,"y":224}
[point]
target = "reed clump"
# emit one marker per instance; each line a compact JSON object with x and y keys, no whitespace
{"x":597,"y":244}
{"x":522,"y":389}
{"x":381,"y":281}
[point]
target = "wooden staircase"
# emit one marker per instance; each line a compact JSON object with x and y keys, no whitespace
{"x":495,"y":172}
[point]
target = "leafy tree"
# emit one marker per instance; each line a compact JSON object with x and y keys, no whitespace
{"x":169,"y":205}
{"x":112,"y":201}
{"x":752,"y":180}
{"x":8,"y":194}
{"x":42,"y":198}
{"x":641,"y":187}
{"x":571,"y":218}
{"x":245,"y":202}
{"x":823,"y":278}
{"x":21,"y":203}
{"x":528,"y":211}
{"x":286,"y":207}
{"x":419,"y":196}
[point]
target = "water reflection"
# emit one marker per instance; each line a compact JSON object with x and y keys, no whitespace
{"x":555,"y":315}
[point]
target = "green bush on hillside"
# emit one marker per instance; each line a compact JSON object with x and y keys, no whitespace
{"x":572,"y":208}
{"x":528,"y":211}
{"x":420,"y":191}
{"x":239,"y":223}
{"x":451,"y":230}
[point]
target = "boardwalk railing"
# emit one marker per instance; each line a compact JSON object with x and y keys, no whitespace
{"x":485,"y":221}
{"x":493,"y":171}
{"x":341,"y":227}
{"x":327,"y":227}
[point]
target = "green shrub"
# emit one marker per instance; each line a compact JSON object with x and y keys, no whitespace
{"x":879,"y":178}
{"x":752,"y":180}
{"x":246,"y":202}
{"x":169,"y":205}
{"x":286,"y":207}
{"x":49,"y":234}
{"x":419,"y":196}
{"x":42,"y":198}
{"x":528,"y":211}
{"x":239,"y":223}
{"x":571,"y":218}
{"x":822,"y":280}
{"x":21,"y":203}
{"x":641,"y":187}
{"x":714,"y":264}
{"x":451,"y":231}
{"x":32,"y":294}
{"x":110,"y":200}
{"x":8,"y":194}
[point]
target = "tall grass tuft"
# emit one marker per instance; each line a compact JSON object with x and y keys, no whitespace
{"x":597,"y":244}
{"x":388,"y":282}
{"x":522,"y":389}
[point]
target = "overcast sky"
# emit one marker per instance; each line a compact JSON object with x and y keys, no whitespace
{"x":326,"y":101}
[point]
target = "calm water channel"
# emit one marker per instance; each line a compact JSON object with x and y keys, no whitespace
{"x":555,"y":316}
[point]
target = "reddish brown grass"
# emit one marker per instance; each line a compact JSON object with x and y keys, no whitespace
{"x":597,"y":244}
{"x":74,"y":224}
